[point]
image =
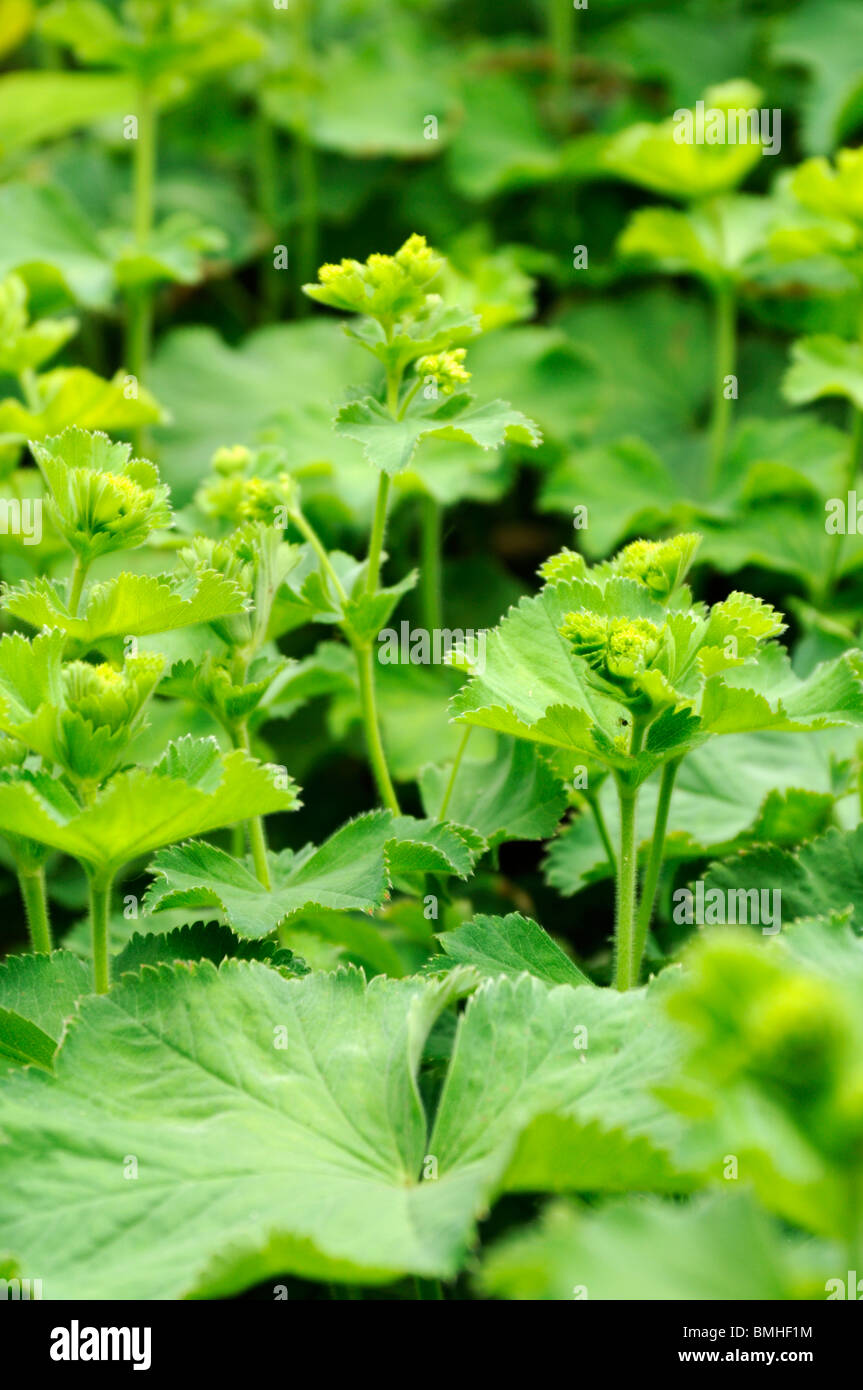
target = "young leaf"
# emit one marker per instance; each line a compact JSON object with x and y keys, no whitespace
{"x":508,"y":946}
{"x":352,"y":871}
{"x":390,"y":444}
{"x":193,"y":789}
{"x":141,"y":604}
{"x":637,"y":1247}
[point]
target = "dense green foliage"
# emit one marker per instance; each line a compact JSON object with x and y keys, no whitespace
{"x":431,"y":768}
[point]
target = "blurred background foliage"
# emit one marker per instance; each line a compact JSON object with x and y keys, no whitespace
{"x":619,"y":279}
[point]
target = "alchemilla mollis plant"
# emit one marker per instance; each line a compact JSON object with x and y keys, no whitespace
{"x":431,"y":690}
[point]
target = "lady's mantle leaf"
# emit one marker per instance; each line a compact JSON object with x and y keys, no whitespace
{"x":287,"y":1132}
{"x":352,"y":871}
{"x":390,"y":444}
{"x":638,"y":1249}
{"x":822,"y":878}
{"x":194,"y":788}
{"x":509,"y":946}
{"x":514,"y":796}
{"x":37,"y":994}
{"x":129,"y":603}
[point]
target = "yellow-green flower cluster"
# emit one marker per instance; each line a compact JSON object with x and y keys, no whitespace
{"x":660,"y":565}
{"x":384,"y":287}
{"x":618,"y":649}
{"x":447,"y":367}
{"x":99,"y":498}
{"x":248,"y":486}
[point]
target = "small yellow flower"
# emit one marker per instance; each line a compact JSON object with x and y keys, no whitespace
{"x":447,"y":367}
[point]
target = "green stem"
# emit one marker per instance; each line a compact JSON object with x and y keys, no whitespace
{"x":308,"y":531}
{"x":100,"y":901}
{"x":79,"y":574}
{"x":454,"y":773}
{"x":725,"y":320}
{"x":29,"y":383}
{"x":255,"y":824}
{"x":654,"y":863}
{"x":599,"y":818}
{"x":428,"y":1289}
{"x":36,"y":907}
{"x":307,"y":200}
{"x":852,"y":468}
{"x":266,"y":197}
{"x":376,"y":543}
{"x":139,"y":321}
{"x":377,"y":758}
{"x":624,"y":926}
{"x":431,"y":580}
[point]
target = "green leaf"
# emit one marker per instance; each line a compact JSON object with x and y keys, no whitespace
{"x":43,"y":989}
{"x":274,"y":386}
{"x":651,"y":156}
{"x":640,"y":1249}
{"x":772,"y":1066}
{"x":716,"y":241}
{"x":352,"y":871}
{"x":513,"y":796}
{"x":182,"y":44}
{"x":340,"y":1135}
{"x":501,"y":143}
{"x":333,"y":1171}
{"x":824,"y":39}
{"x":766,"y":786}
{"x":38,"y":994}
{"x":390,"y":444}
{"x":367,"y":100}
{"x":824,"y":366}
{"x":821,"y":878}
{"x":585,"y":1056}
{"x":768,"y":695}
{"x":48,"y":238}
{"x":37,"y":106}
{"x":193,"y":789}
{"x":625,"y":486}
{"x":508,"y":946}
{"x":213,"y":942}
{"x":76,"y":396}
{"x":139,"y":604}
{"x":22,"y":1043}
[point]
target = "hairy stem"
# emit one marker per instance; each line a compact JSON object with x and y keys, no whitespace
{"x":627,"y":864}
{"x":431,"y":578}
{"x":255,"y":825}
{"x":36,"y":907}
{"x":725,"y":319}
{"x":447,"y":796}
{"x":599,"y":818}
{"x":374,"y":744}
{"x":654,"y":863}
{"x":376,"y":544}
{"x":100,"y":901}
{"x":308,"y":531}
